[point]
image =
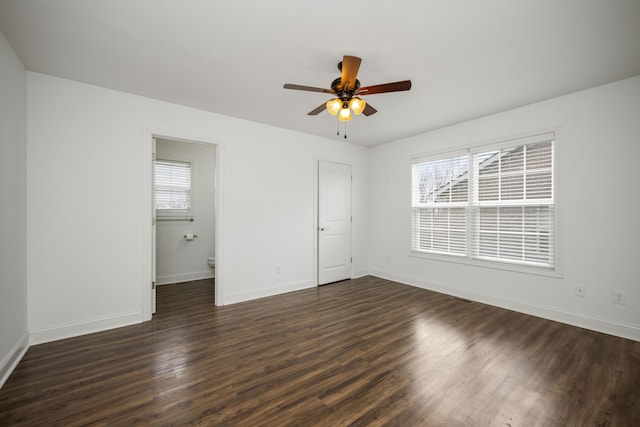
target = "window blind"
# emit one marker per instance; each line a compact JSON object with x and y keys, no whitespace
{"x":440,"y":205}
{"x":173,"y":185}
{"x":491,"y":203}
{"x":513,"y":204}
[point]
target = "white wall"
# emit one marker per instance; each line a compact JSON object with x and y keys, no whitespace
{"x":88,"y":216}
{"x":13,"y":209}
{"x":600,"y":205}
{"x":177,"y":259}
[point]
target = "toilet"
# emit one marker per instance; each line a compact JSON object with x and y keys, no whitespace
{"x":212,"y":263}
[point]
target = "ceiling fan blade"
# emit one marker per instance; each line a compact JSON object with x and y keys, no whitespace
{"x":307,"y":88}
{"x":318,"y":110}
{"x":386,"y":87}
{"x":369,"y":110}
{"x":350,"y":67}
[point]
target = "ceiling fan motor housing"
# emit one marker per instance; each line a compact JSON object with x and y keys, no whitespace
{"x":343,"y":94}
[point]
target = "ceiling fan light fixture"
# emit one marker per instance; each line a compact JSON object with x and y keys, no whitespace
{"x":345,"y":104}
{"x":333,"y":106}
{"x":357,"y":105}
{"x":345,"y":115}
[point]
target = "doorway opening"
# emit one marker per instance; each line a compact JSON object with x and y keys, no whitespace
{"x":184,"y":234}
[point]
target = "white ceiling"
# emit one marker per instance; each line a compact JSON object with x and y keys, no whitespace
{"x":466,"y":58}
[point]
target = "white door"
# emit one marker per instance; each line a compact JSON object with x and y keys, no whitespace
{"x":153,"y":228}
{"x":334,"y":222}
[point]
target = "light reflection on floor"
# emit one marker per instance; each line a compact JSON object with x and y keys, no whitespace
{"x":442,"y":349}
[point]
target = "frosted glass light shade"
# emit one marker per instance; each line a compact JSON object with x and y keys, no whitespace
{"x":333,"y":106}
{"x":345,"y":115}
{"x":357,"y":105}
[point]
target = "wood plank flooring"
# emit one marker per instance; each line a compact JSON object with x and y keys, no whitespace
{"x":364,"y":352}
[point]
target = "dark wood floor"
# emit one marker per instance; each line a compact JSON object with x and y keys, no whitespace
{"x":362,"y":352}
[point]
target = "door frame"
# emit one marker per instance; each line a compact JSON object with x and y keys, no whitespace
{"x":148,"y":244}
{"x":316,"y":214}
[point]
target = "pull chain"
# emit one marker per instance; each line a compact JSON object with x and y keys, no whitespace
{"x":338,"y":128}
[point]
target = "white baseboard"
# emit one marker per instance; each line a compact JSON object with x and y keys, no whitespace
{"x":68,"y":331}
{"x":11,"y":360}
{"x":359,"y":274}
{"x":179,"y":278}
{"x":233,"y":299}
{"x":587,"y":322}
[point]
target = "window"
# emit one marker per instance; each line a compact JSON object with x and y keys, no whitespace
{"x":441,"y":205}
{"x":173,"y":186}
{"x":492,"y":203}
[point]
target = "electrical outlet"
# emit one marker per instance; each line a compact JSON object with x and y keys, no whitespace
{"x":278,"y":269}
{"x":619,"y":297}
{"x":580,"y":291}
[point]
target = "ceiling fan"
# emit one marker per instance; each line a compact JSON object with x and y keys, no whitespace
{"x":347,"y":90}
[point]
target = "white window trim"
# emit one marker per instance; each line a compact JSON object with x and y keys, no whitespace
{"x":558,"y":269}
